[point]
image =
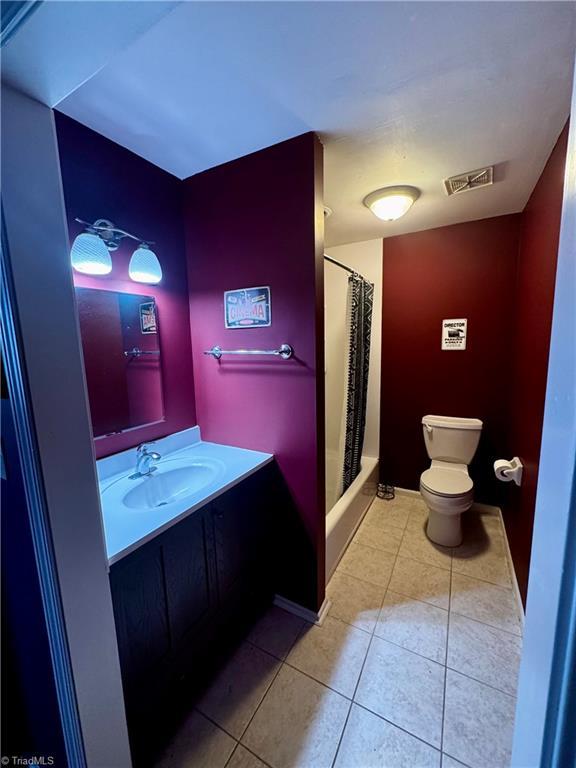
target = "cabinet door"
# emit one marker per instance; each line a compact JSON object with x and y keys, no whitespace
{"x":140,"y":612}
{"x":241,"y":534}
{"x":187,"y":571}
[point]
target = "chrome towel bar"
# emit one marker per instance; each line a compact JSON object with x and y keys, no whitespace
{"x":135,"y":352}
{"x":285,"y":352}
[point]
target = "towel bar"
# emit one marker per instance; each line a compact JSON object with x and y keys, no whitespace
{"x":285,"y":352}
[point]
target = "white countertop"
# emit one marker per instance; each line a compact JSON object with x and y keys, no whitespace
{"x":127,"y":529}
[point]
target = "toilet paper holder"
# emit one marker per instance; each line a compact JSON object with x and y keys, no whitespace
{"x":509,"y":470}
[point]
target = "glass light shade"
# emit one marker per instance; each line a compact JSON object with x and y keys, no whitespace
{"x":144,"y":266}
{"x":391,"y":203}
{"x":90,"y":255}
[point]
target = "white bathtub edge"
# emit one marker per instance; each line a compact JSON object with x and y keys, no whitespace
{"x":346,"y":515}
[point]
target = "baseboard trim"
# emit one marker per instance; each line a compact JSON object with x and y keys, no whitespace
{"x":487,"y":509}
{"x":515,"y":586}
{"x":406,"y":492}
{"x":304,"y":613}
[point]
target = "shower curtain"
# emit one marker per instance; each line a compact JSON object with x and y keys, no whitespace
{"x":359,"y":325}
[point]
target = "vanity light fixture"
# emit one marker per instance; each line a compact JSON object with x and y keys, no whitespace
{"x":390,"y":203}
{"x":90,"y":252}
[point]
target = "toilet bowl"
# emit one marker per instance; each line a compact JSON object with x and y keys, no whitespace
{"x":447,"y":490}
{"x":446,"y":487}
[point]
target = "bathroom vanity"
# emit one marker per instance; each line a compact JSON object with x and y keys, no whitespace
{"x":181,"y":588}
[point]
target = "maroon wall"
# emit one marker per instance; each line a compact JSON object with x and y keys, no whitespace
{"x":535,"y":297}
{"x":103,"y":180}
{"x":258,"y":221}
{"x":466,"y":270}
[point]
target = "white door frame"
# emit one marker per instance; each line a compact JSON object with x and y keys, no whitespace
{"x":544,"y":735}
{"x":37,"y":263}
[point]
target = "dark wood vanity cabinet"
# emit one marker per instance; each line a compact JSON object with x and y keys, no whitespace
{"x":187,"y":555}
{"x":179,"y":596}
{"x":242,"y":539}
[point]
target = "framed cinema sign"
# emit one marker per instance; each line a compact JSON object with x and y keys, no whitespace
{"x":248,"y":308}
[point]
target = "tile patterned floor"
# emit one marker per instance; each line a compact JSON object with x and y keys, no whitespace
{"x":414,"y":667}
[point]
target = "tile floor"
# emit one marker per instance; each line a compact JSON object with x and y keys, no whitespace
{"x":414,"y":667}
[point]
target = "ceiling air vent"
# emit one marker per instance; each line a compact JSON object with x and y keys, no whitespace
{"x":481,"y":177}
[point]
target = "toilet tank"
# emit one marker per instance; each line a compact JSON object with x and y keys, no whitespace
{"x":448,"y":438}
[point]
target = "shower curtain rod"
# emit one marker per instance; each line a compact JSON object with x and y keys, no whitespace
{"x":343,"y":266}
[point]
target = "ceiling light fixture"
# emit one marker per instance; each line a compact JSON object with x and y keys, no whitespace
{"x":90,"y":252}
{"x":390,"y":203}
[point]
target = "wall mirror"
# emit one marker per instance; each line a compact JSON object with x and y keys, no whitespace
{"x":121,"y":343}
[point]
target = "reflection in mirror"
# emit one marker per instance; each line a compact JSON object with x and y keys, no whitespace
{"x":121,"y":343}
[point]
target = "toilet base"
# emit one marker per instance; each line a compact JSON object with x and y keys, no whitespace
{"x":443,"y":529}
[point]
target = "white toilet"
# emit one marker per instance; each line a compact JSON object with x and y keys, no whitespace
{"x":447,"y":487}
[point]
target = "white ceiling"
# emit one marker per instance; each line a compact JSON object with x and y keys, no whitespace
{"x":399,"y":92}
{"x":64,"y":42}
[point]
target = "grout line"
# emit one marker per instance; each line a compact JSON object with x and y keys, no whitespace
{"x":218,"y":725}
{"x":353,"y":626}
{"x":261,"y":759}
{"x":485,"y":581}
{"x":409,"y":650}
{"x":315,"y":679}
{"x":232,"y":754}
{"x":389,"y":527}
{"x":260,"y":704}
{"x":222,"y":728}
{"x":446,"y":661}
{"x":485,"y":624}
{"x":364,"y":581}
{"x":417,"y":600}
{"x":364,"y":661}
{"x":465,"y":765}
{"x":360,"y":675}
{"x":377,"y":549}
{"x":423,"y":562}
{"x":420,"y":600}
{"x":400,"y":728}
{"x":342,"y":733}
{"x":492,"y":626}
{"x":481,"y":682}
{"x":355,"y":578}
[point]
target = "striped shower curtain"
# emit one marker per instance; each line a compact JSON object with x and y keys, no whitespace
{"x":359,"y":324}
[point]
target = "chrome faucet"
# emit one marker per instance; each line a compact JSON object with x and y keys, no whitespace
{"x":144,"y":460}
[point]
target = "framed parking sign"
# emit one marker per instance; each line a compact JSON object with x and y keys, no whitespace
{"x":248,"y":308}
{"x":454,"y":333}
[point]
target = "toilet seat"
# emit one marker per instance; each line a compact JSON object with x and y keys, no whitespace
{"x":445,"y":482}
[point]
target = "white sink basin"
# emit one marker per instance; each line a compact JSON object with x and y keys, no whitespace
{"x":172,"y":481}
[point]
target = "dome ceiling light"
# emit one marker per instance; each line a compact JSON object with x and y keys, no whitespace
{"x":390,"y":203}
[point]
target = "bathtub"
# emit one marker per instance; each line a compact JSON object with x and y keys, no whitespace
{"x":346,"y":515}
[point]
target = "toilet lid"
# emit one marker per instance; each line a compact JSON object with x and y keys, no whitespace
{"x":446,"y":482}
